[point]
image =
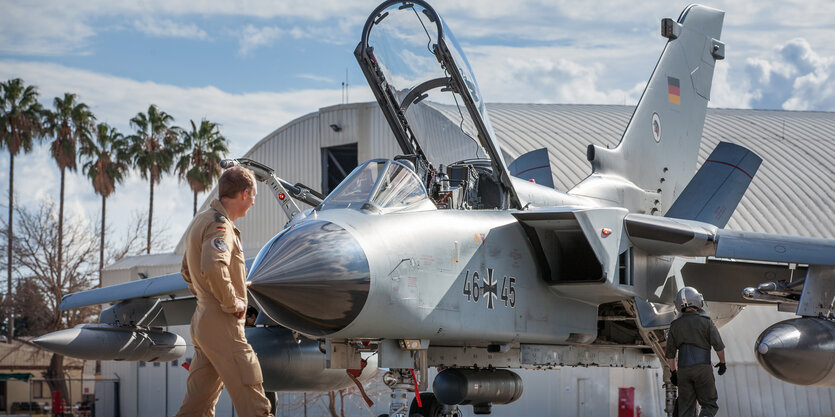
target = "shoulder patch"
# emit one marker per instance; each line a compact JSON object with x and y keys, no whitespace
{"x":220,"y":218}
{"x":219,"y":244}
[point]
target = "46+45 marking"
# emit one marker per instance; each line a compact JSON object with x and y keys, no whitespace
{"x":475,"y":287}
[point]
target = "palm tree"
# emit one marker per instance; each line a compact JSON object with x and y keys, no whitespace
{"x":153,"y":149}
{"x":71,"y":124}
{"x":20,"y":125}
{"x":106,"y":165}
{"x":204,"y":148}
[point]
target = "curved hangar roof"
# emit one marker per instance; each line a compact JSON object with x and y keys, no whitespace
{"x":792,"y":193}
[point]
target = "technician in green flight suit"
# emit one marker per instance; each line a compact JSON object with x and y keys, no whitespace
{"x":691,"y":336}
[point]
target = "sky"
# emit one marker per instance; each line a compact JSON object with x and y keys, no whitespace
{"x":255,"y":65}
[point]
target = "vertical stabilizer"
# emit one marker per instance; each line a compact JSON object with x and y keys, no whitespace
{"x":657,"y":154}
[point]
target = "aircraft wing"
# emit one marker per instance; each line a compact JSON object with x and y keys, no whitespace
{"x":756,"y":267}
{"x":677,"y":237}
{"x":171,"y":285}
{"x":167,"y":285}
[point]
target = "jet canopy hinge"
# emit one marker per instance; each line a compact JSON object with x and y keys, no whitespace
{"x":670,"y":29}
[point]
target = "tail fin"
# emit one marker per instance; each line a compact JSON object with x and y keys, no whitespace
{"x":658,"y":151}
{"x":715,"y":191}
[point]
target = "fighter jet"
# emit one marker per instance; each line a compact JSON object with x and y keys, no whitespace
{"x":439,"y":257}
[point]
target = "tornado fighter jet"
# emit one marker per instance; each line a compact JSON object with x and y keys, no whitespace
{"x":440,"y":258}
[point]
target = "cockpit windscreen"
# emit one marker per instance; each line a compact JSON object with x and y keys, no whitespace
{"x":382,"y":185}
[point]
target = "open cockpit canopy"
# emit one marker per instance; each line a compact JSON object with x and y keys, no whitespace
{"x":427,"y":91}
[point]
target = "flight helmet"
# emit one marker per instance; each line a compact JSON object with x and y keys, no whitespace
{"x":689,"y":297}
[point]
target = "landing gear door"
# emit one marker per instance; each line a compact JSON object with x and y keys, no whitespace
{"x":426,"y":89}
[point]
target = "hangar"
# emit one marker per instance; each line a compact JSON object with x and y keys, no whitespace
{"x":792,"y":194}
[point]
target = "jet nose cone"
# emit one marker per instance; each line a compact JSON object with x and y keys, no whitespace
{"x":313,"y":278}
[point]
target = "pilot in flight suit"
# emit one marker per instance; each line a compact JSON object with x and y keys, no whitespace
{"x":692,"y":335}
{"x":214,"y":268}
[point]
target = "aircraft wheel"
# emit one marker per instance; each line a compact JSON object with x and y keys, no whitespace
{"x":431,"y":406}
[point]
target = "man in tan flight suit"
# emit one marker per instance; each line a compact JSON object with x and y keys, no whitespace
{"x":213,"y":267}
{"x":689,"y":340}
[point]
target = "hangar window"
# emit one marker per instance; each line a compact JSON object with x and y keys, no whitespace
{"x":337,"y":162}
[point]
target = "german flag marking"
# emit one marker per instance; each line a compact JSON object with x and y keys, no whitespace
{"x":674,"y":90}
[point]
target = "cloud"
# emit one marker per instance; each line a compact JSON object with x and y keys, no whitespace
{"x":792,"y":76}
{"x":167,"y":28}
{"x":729,"y":89}
{"x":29,"y":30}
{"x":251,"y":37}
{"x":244,"y":119}
{"x":48,"y":28}
{"x":544,"y":75}
{"x":319,"y":78}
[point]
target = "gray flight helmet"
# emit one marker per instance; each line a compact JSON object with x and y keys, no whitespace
{"x":689,"y":297}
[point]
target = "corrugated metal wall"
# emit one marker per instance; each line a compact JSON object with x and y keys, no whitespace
{"x":747,"y":390}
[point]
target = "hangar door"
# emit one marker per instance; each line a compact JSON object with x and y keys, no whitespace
{"x":337,"y":163}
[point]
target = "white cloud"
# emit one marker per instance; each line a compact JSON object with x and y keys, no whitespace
{"x":168,"y":28}
{"x":251,"y":37}
{"x":305,"y":9}
{"x":29,"y":30}
{"x":729,"y":90}
{"x":244,"y":120}
{"x":544,"y":75}
{"x":792,"y":76}
{"x":47,"y":27}
{"x":319,"y":78}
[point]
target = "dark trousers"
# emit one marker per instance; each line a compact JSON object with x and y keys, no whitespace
{"x":696,"y":384}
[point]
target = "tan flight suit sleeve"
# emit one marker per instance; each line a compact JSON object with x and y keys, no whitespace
{"x":186,"y":276}
{"x":216,"y":254}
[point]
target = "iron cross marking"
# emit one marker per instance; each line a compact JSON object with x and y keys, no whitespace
{"x":490,"y":291}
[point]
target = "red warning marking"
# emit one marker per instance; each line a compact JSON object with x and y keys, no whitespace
{"x":732,"y":166}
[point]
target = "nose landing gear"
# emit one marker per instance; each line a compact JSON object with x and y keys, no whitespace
{"x":400,"y":382}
